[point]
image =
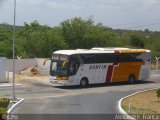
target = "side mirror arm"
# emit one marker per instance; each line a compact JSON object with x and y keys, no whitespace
{"x":46,"y":61}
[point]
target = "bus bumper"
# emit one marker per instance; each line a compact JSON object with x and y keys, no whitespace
{"x":59,"y":82}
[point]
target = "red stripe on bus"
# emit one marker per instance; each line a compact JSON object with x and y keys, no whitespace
{"x":110,"y":72}
{"x":117,"y":51}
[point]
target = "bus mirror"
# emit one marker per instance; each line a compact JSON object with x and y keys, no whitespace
{"x":46,"y":61}
{"x":64,"y":64}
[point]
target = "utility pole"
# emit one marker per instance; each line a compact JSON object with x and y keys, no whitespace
{"x":14,"y":39}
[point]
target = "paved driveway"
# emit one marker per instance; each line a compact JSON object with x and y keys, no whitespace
{"x":45,"y":101}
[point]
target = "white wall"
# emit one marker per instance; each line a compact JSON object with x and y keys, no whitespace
{"x":22,"y":64}
{"x":44,"y":69}
{"x":2,"y":69}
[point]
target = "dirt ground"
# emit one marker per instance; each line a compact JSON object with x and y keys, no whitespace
{"x":20,"y":78}
{"x":31,"y":73}
{"x":142,"y":103}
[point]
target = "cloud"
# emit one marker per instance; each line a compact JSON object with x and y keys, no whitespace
{"x":1,"y":2}
{"x":151,"y":1}
{"x":64,"y":5}
{"x":123,"y":3}
{"x":109,"y":12}
{"x":35,"y":2}
{"x":31,"y":2}
{"x":56,"y":4}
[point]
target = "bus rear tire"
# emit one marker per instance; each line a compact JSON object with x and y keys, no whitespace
{"x":84,"y":82}
{"x":131,"y":79}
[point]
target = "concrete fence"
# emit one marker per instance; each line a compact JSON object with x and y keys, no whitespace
{"x":22,"y":64}
{"x":2,"y":69}
{"x":43,"y":69}
{"x":155,"y":73}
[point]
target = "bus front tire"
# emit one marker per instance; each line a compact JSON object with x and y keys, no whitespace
{"x":84,"y":82}
{"x":131,"y":79}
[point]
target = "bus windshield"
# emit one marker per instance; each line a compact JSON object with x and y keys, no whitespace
{"x":57,"y":67}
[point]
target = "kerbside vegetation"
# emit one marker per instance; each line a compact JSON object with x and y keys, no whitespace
{"x":4,"y":102}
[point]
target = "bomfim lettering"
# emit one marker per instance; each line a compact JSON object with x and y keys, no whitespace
{"x":95,"y":67}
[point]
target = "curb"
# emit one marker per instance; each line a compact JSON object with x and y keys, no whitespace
{"x":14,"y":106}
{"x":120,"y":101}
{"x":8,"y":85}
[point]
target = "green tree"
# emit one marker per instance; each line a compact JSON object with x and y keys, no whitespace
{"x":136,"y":41}
{"x":80,"y":33}
{"x":74,"y":30}
{"x":39,"y":41}
{"x":99,"y":36}
{"x":35,"y":40}
{"x":5,"y":41}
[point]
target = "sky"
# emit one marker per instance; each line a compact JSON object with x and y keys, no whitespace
{"x":117,"y":14}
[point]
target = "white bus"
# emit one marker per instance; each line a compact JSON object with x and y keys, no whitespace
{"x":99,"y":65}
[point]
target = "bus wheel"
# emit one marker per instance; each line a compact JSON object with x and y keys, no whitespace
{"x":84,"y":82}
{"x":131,"y":79}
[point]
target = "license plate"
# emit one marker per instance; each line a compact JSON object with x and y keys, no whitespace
{"x":54,"y":77}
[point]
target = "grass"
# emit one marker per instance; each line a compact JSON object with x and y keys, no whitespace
{"x":142,"y":103}
{"x":135,"y":110}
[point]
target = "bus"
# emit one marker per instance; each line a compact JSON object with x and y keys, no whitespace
{"x":99,"y":65}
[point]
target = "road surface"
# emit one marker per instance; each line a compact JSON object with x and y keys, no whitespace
{"x":45,"y":101}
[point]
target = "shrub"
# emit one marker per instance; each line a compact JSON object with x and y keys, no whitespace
{"x":4,"y":102}
{"x":3,"y":111}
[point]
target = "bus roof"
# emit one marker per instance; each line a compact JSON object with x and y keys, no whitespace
{"x":100,"y":50}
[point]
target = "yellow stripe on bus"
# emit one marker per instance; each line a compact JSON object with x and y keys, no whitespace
{"x":133,"y":51}
{"x":124,"y":70}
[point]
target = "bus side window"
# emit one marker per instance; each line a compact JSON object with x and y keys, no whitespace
{"x":74,"y":65}
{"x":73,"y":68}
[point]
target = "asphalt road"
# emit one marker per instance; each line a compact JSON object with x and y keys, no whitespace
{"x":97,"y":102}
